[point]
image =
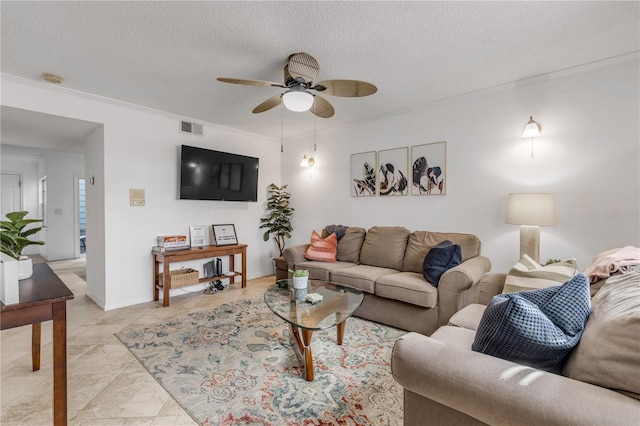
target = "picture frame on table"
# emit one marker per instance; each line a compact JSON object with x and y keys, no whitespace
{"x":198,"y":236}
{"x":225,"y":235}
{"x":429,"y":164}
{"x":393,"y":175}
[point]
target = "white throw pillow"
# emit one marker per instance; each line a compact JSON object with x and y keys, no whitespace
{"x":527,"y":274}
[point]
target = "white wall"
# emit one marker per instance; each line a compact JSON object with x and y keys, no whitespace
{"x":588,"y":154}
{"x":61,"y":171}
{"x":141,"y":151}
{"x":94,"y":191}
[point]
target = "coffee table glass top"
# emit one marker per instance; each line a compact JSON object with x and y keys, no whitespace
{"x":338,"y":303}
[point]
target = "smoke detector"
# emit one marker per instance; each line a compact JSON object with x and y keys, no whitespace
{"x":51,"y":78}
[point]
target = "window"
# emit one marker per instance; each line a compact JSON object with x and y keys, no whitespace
{"x":43,"y":201}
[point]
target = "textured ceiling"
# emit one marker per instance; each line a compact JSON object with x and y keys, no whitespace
{"x":167,"y":55}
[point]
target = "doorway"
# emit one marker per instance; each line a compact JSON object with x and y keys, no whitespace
{"x":11,"y":184}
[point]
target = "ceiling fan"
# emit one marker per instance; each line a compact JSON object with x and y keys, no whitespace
{"x":300,"y":71}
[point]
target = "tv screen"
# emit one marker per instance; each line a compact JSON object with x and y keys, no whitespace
{"x":214,"y":175}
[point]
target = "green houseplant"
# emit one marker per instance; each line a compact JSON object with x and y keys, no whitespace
{"x":15,"y":237}
{"x":278,"y":218}
{"x":299,"y":272}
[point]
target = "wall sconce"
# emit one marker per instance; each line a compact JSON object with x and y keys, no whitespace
{"x":307,"y":161}
{"x":531,"y":211}
{"x":531,"y":130}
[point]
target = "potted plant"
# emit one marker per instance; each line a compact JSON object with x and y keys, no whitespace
{"x":14,"y":238}
{"x":277,"y":221}
{"x":300,"y":278}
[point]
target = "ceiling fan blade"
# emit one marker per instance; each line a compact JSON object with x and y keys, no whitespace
{"x":249,"y":82}
{"x":321,"y":107}
{"x":268,"y":104}
{"x":347,"y":88}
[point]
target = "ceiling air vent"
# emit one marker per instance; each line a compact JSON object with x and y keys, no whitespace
{"x":193,"y":128}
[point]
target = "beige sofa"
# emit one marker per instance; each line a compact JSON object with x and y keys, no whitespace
{"x":446,"y":383}
{"x":386,"y":262}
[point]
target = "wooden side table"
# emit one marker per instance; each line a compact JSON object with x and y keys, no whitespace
{"x":43,"y":297}
{"x":206,"y":252}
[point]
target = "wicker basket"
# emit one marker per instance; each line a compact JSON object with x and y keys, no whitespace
{"x":182,"y":277}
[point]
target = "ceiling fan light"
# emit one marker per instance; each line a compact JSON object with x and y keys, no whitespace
{"x":298,"y":101}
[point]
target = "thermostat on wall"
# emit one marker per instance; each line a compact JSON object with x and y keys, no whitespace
{"x":136,"y":197}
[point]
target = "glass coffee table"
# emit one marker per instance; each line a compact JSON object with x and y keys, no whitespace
{"x":338,"y":303}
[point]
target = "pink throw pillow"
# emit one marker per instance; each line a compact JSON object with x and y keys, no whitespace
{"x":323,"y":250}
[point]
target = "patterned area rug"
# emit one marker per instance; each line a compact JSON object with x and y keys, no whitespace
{"x":235,"y":365}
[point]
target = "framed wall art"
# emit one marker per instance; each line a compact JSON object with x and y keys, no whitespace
{"x":429,"y":163}
{"x":225,"y":235}
{"x":393,"y":178}
{"x":363,"y":174}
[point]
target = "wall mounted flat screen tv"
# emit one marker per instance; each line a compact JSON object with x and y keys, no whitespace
{"x":215,"y":175}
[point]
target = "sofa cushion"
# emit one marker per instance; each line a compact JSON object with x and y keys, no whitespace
{"x":322,"y":249}
{"x":538,"y":328}
{"x":384,"y":246}
{"x":468,"y":317}
{"x":455,"y":336}
{"x":440,"y":258}
{"x":420,"y":242}
{"x":407,"y":287}
{"x":362,"y":277}
{"x":527,"y":274}
{"x":350,"y":244}
{"x":609,"y":351}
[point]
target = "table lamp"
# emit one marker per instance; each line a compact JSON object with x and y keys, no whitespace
{"x":531,"y":211}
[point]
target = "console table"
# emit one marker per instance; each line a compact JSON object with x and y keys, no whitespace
{"x":43,"y":297}
{"x":206,"y":252}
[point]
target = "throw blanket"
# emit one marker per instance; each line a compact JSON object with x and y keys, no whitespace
{"x":339,"y":230}
{"x":610,"y":261}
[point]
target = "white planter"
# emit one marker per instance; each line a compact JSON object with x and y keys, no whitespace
{"x":25,"y":268}
{"x":300,"y":282}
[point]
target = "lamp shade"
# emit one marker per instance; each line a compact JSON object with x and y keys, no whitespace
{"x":307,"y":161}
{"x":298,"y":101}
{"x":531,"y":129}
{"x":531,"y":209}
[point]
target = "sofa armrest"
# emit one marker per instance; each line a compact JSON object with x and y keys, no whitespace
{"x":496,"y":391}
{"x":294,"y":255}
{"x":455,"y":281}
{"x":490,"y":285}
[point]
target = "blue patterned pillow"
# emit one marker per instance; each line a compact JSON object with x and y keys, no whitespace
{"x":439,"y":259}
{"x":538,"y":328}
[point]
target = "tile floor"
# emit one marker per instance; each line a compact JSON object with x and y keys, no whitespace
{"x":106,"y":384}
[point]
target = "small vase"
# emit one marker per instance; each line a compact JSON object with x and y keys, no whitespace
{"x":300,"y":282}
{"x":300,"y":294}
{"x":25,"y":268}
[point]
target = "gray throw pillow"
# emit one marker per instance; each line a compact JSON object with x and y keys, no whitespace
{"x":538,"y":328}
{"x":339,"y":230}
{"x":439,"y":259}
